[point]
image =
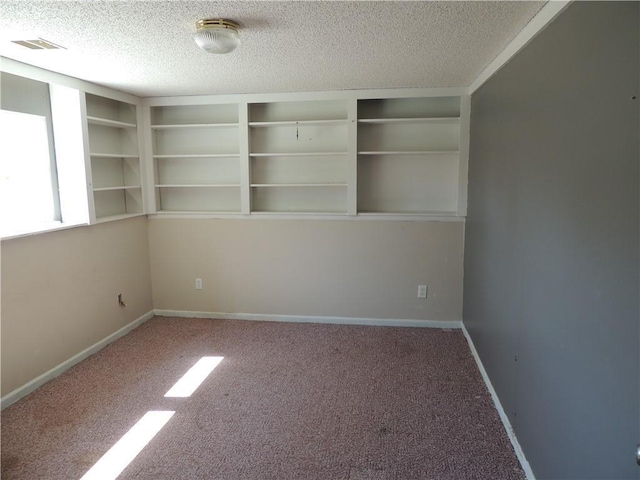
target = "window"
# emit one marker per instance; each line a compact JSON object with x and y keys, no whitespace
{"x":27,"y":187}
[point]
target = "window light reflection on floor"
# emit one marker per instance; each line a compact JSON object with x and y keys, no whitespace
{"x":194,"y":377}
{"x":128,"y":447}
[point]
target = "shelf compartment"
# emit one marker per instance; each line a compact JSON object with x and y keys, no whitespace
{"x":396,"y":108}
{"x":196,"y":141}
{"x":300,"y":199}
{"x":174,"y":115}
{"x":415,"y":184}
{"x":402,"y":137}
{"x":112,"y":203}
{"x":205,"y":199}
{"x":311,"y":169}
{"x":107,"y":172}
{"x":298,"y":111}
{"x":300,"y":138}
{"x":197,"y":170}
{"x":110,"y":141}
{"x":108,"y":110}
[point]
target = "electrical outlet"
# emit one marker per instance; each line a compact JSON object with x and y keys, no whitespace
{"x":198,"y":284}
{"x":422,"y":291}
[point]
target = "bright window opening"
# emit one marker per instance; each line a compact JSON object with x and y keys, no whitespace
{"x":26,"y":188}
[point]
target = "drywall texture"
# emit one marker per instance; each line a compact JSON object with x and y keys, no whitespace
{"x":59,"y":293}
{"x":368,"y":269}
{"x":551,"y":258}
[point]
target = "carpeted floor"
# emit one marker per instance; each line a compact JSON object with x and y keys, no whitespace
{"x":288,"y":401}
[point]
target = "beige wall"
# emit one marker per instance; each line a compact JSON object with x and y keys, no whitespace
{"x":348,"y":268}
{"x":59,"y":293}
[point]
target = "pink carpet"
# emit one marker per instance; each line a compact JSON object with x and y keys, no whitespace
{"x":288,"y":401}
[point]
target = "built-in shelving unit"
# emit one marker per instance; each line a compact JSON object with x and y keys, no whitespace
{"x":114,"y":160}
{"x":196,"y":158}
{"x":311,"y":154}
{"x":298,"y":157}
{"x":408,"y":155}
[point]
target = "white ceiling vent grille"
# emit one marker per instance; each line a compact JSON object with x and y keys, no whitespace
{"x":38,"y":44}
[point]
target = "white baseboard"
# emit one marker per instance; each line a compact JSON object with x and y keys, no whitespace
{"x":26,"y":389}
{"x":503,"y":415}
{"x":380,"y":322}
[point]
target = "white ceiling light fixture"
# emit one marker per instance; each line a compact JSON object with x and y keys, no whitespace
{"x":216,"y":35}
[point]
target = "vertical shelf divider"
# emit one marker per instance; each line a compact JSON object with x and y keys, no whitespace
{"x":463,"y":165}
{"x":352,"y":157}
{"x":143,"y":116}
{"x":87,"y":159}
{"x":245,"y":160}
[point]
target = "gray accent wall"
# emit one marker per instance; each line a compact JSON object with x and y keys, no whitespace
{"x":551,"y":274}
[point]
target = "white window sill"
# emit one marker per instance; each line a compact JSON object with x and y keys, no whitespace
{"x":36,"y":230}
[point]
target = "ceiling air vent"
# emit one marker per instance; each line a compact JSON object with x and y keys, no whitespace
{"x":38,"y":44}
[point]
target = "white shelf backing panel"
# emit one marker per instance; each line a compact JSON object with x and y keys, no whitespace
{"x":419,"y":136}
{"x":114,"y":141}
{"x":196,"y":141}
{"x":300,"y":199}
{"x":115,"y":172}
{"x":399,"y":108}
{"x":305,"y":169}
{"x":110,"y":203}
{"x":301,"y":138}
{"x":408,"y":183}
{"x":298,"y":111}
{"x":197,"y":170}
{"x":200,"y":199}
{"x":195,"y":114}
{"x":108,"y":109}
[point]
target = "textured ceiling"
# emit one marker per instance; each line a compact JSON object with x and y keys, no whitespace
{"x":146,"y":47}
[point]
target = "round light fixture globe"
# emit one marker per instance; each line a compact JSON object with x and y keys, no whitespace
{"x":216,"y":35}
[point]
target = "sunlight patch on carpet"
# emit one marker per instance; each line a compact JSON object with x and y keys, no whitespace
{"x":194,"y":377}
{"x":128,"y":447}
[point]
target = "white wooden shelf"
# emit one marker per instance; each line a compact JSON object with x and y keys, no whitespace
{"x":300,"y":213}
{"x":414,"y":152}
{"x":105,"y":122}
{"x":343,"y":156}
{"x":203,"y":213}
{"x":194,"y":125}
{"x":120,"y":187}
{"x":202,"y":185}
{"x":198,"y":155}
{"x":113,"y":162}
{"x":278,"y":185}
{"x":299,"y":154}
{"x":122,"y":216}
{"x":408,"y":213}
{"x":410,"y":120}
{"x":112,"y":155}
{"x":300,"y":123}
